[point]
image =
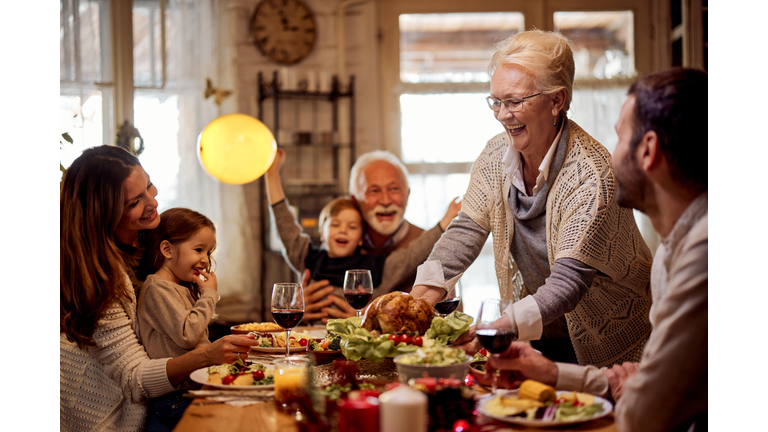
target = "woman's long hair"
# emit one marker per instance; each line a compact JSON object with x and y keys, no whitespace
{"x":176,"y":225}
{"x":91,"y":205}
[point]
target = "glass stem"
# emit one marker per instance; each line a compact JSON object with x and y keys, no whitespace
{"x":495,"y":384}
{"x":359,"y":313}
{"x":287,"y":342}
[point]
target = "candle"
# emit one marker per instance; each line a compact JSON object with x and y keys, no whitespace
{"x":403,"y":409}
{"x":359,"y":415}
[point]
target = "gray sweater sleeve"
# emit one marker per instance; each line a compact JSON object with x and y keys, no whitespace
{"x":568,"y":281}
{"x":295,"y":241}
{"x":459,"y":246}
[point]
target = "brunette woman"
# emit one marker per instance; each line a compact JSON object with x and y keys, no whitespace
{"x":105,"y":373}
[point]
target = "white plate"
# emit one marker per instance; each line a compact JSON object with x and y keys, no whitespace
{"x":522,"y":421}
{"x":281,"y":350}
{"x":201,"y":376}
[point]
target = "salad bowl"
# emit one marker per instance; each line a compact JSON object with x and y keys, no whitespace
{"x":406,"y":370}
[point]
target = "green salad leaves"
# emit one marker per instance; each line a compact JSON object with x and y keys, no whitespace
{"x":448,"y":329}
{"x":358,"y":343}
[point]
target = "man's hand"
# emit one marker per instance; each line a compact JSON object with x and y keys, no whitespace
{"x":317,"y":296}
{"x":519,"y":362}
{"x":453,"y":211}
{"x":618,"y":375}
{"x":345,"y":312}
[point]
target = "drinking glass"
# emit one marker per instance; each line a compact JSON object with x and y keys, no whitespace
{"x":287,"y":308}
{"x":496,"y":329}
{"x":290,"y":378}
{"x":450,"y":304}
{"x":358,"y":289}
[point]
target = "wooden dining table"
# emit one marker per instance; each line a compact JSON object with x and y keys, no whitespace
{"x":202,"y":416}
{"x":260,"y":413}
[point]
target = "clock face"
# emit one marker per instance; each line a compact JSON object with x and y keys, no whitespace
{"x":284,"y":30}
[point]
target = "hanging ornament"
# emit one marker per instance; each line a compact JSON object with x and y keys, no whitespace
{"x":236,"y":148}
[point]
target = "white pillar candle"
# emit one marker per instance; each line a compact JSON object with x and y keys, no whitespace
{"x":403,"y":409}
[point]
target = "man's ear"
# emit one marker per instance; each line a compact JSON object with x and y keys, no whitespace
{"x":354,"y":201}
{"x":648,"y":151}
{"x":166,"y":249}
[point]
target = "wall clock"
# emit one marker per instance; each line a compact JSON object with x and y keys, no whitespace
{"x":284,"y":30}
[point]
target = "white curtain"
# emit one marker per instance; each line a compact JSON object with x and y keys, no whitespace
{"x":196,"y":51}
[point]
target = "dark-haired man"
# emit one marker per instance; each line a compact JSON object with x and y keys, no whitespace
{"x":661,"y":169}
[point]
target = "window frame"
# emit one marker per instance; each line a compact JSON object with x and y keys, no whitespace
{"x":538,"y":14}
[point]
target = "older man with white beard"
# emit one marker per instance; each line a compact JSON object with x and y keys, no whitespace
{"x":378,"y":183}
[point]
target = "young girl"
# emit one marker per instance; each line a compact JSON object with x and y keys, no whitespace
{"x":175,"y":303}
{"x":342,"y":228}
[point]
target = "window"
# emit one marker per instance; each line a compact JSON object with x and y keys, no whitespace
{"x":443,"y":65}
{"x":85,"y":98}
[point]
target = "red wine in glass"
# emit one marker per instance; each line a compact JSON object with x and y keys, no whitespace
{"x":358,"y":288}
{"x":447,"y":306}
{"x":496,"y":329}
{"x":287,"y":318}
{"x":287,"y":308}
{"x":358,"y":300}
{"x":496,"y":341}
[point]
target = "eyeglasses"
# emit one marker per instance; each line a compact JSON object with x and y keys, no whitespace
{"x":512,"y":104}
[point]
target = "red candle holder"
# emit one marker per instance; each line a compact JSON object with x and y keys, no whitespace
{"x":359,"y":415}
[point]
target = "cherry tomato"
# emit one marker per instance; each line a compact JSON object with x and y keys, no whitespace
{"x":484,"y":352}
{"x":258,"y":375}
{"x":303,"y":342}
{"x":461,"y":426}
{"x":468,"y":380}
{"x":417,"y":340}
{"x":394,"y":337}
{"x":227,"y":380}
{"x":404,"y":338}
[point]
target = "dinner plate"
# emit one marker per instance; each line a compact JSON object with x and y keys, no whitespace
{"x":201,"y":376}
{"x":522,"y":421}
{"x":281,"y":350}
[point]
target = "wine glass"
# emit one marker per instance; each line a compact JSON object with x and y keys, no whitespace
{"x":450,"y":304}
{"x":287,"y":308}
{"x":496,"y":329}
{"x":358,"y":289}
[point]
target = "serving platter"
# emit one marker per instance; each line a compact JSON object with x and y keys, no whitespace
{"x":201,"y":376}
{"x":522,"y":421}
{"x":280,"y":350}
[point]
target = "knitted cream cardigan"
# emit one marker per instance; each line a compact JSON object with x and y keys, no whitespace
{"x":610,"y":323}
{"x":105,"y":387}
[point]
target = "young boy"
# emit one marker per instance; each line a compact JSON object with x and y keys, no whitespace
{"x":342,"y":229}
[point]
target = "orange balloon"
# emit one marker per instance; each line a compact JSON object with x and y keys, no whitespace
{"x":236,"y":148}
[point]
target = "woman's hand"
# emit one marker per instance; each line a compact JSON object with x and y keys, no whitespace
{"x":209,"y":282}
{"x":453,"y":211}
{"x":224,"y":350}
{"x":345,"y":312}
{"x":519,"y":362}
{"x":317,"y":296}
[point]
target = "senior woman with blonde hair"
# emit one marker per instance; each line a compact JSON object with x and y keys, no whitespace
{"x":572,"y":259}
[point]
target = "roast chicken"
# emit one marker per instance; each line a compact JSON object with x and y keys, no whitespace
{"x":398,"y":312}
